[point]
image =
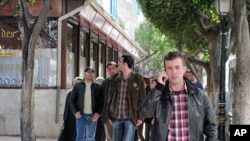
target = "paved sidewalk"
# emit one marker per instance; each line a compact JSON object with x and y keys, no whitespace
{"x":9,"y":138}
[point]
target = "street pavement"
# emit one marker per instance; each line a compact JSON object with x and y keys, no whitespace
{"x":10,"y":138}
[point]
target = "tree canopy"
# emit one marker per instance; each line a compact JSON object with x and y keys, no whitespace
{"x":154,"y":43}
{"x":177,"y":20}
{"x":194,"y":27}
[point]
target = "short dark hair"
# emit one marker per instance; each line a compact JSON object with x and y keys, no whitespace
{"x":174,"y":55}
{"x":189,"y":71}
{"x":155,"y":80}
{"x":129,"y":60}
{"x":147,"y":81}
{"x":112,"y":63}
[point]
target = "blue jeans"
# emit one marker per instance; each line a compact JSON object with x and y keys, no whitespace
{"x":85,"y":128}
{"x":123,"y":130}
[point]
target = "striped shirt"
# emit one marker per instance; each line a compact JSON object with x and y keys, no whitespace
{"x":178,"y":127}
{"x":122,"y":109}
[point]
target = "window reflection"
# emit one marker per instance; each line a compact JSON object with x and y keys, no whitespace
{"x":82,"y":59}
{"x":10,"y":68}
{"x":70,"y":61}
{"x":45,"y":63}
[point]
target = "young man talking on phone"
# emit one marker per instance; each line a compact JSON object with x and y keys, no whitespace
{"x":181,"y":111}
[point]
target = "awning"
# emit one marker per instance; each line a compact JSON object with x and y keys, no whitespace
{"x":102,"y":23}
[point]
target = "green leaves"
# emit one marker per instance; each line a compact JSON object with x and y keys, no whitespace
{"x":177,"y":20}
{"x":153,"y":42}
{"x":17,"y":6}
{"x":32,"y":2}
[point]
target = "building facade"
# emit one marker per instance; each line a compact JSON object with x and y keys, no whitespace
{"x":76,"y":34}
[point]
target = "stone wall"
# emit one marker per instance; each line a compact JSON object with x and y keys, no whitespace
{"x":44,"y":113}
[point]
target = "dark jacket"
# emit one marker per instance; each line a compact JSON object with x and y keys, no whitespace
{"x":67,"y":111}
{"x":105,"y":95}
{"x":69,"y":132}
{"x":201,"y":115}
{"x":136,"y":94}
{"x":77,"y":97}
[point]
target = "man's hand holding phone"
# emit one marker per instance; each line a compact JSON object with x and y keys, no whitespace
{"x":162,"y":77}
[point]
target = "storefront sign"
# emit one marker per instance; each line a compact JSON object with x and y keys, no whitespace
{"x":9,"y":38}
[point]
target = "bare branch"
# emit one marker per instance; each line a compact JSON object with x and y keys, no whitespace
{"x":206,"y":25}
{"x":206,"y":21}
{"x":199,"y":62}
{"x":25,"y":14}
{"x":41,"y":18}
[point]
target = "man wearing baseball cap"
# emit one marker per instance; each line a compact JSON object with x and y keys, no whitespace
{"x":86,"y":105}
{"x":89,"y":69}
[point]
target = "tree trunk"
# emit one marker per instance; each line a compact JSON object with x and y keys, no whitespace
{"x":241,"y":102}
{"x":31,"y":30}
{"x":27,"y":93}
{"x":213,"y":79}
{"x":214,"y":50}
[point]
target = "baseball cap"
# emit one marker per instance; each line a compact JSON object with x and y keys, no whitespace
{"x":89,"y":69}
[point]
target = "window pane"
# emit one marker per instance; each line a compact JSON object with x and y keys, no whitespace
{"x":45,"y":60}
{"x":92,"y":61}
{"x":10,"y":68}
{"x":107,"y":54}
{"x":100,"y":60}
{"x":82,"y":59}
{"x":45,"y":67}
{"x":70,"y":62}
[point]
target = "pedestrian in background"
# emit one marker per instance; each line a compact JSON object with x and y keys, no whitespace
{"x":99,"y":80}
{"x":69,"y":120}
{"x":126,"y":94}
{"x":112,"y":68}
{"x":147,"y":121}
{"x":190,"y":76}
{"x":153,"y":83}
{"x":100,"y":134}
{"x":85,"y":103}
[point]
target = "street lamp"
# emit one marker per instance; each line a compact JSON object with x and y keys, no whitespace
{"x":223,"y":8}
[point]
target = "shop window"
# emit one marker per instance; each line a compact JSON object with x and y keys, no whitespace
{"x":45,"y":67}
{"x":92,"y":60}
{"x":70,"y":61}
{"x":101,"y":65}
{"x":107,"y":54}
{"x":45,"y":62}
{"x":115,"y":55}
{"x":82,"y":49}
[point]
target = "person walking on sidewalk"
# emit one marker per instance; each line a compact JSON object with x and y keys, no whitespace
{"x":112,"y":68}
{"x":126,"y":94}
{"x":86,"y":104}
{"x":69,"y":132}
{"x":181,"y":111}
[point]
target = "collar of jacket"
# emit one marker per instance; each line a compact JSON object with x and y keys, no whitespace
{"x":83,"y":81}
{"x":191,"y":88}
{"x":119,"y":76}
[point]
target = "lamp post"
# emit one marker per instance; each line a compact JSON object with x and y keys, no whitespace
{"x":223,"y":8}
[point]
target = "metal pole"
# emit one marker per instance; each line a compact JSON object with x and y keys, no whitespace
{"x":222,"y":101}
